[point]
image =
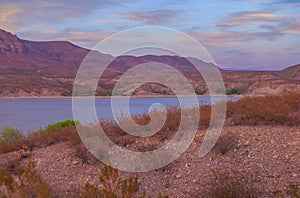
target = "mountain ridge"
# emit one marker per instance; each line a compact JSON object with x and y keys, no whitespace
{"x":48,"y":68}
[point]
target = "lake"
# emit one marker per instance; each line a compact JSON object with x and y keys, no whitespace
{"x":30,"y":114}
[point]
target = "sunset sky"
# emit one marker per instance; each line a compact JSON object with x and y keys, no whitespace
{"x":251,"y":34}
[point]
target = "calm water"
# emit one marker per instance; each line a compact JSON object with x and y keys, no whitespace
{"x":32,"y":114}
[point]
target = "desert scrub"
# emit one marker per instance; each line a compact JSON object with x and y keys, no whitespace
{"x":164,"y":92}
{"x":293,"y":190}
{"x":60,"y":125}
{"x":231,"y":184}
{"x":14,"y":140}
{"x":9,"y":134}
{"x":55,"y":133}
{"x":274,"y":109}
{"x":10,"y":139}
{"x":226,"y":142}
{"x":113,"y":185}
{"x":232,"y":91}
{"x":27,"y":183}
{"x":199,"y":92}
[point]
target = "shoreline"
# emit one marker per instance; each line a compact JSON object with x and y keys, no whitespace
{"x":107,"y":97}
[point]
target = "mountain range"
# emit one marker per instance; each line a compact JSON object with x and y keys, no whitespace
{"x":48,"y":68}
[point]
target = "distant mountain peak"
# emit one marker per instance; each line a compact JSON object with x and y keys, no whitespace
{"x":10,"y":42}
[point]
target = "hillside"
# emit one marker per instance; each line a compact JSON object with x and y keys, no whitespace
{"x":263,"y":160}
{"x":29,"y":68}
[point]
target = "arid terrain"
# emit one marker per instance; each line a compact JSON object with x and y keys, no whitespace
{"x":257,"y":155}
{"x":150,"y":99}
{"x":265,"y":158}
{"x":32,"y":69}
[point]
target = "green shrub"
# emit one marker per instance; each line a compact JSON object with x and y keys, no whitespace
{"x":9,"y":134}
{"x":54,"y":133}
{"x":63,"y":124}
{"x":164,"y":92}
{"x":199,"y":92}
{"x":13,"y":140}
{"x":232,"y":91}
{"x":104,"y":93}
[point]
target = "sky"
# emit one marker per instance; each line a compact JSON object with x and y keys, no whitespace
{"x":252,"y":34}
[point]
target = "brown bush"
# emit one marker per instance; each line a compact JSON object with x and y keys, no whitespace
{"x":269,"y":110}
{"x":113,"y":185}
{"x":42,"y":138}
{"x":226,"y":142}
{"x":28,"y":183}
{"x":6,"y":147}
{"x":272,"y":110}
{"x":231,"y":184}
{"x":293,"y":190}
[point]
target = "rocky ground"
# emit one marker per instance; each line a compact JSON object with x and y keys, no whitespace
{"x":265,"y":158}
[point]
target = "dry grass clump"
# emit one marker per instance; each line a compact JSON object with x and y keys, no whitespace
{"x":115,"y":186}
{"x":231,"y":184}
{"x":10,"y":139}
{"x":226,"y":142}
{"x":122,"y":138}
{"x":272,"y":110}
{"x":26,"y":183}
{"x":293,"y":190}
{"x":14,"y":140}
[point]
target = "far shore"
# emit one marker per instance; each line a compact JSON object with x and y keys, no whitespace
{"x":107,"y":97}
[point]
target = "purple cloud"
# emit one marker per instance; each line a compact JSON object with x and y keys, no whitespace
{"x":153,"y":17}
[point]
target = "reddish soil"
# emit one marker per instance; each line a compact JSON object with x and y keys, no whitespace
{"x":267,"y":157}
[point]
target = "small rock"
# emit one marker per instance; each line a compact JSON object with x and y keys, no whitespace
{"x":75,"y":162}
{"x":25,"y":154}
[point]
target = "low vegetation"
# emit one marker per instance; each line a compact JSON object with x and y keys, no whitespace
{"x":13,"y":139}
{"x":113,"y":185}
{"x":10,"y":134}
{"x":293,"y":190}
{"x":231,"y":184}
{"x":226,"y":142}
{"x":164,"y":92}
{"x":269,"y":110}
{"x":16,"y":181}
{"x":232,"y":91}
{"x":199,"y":92}
{"x":26,"y":182}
